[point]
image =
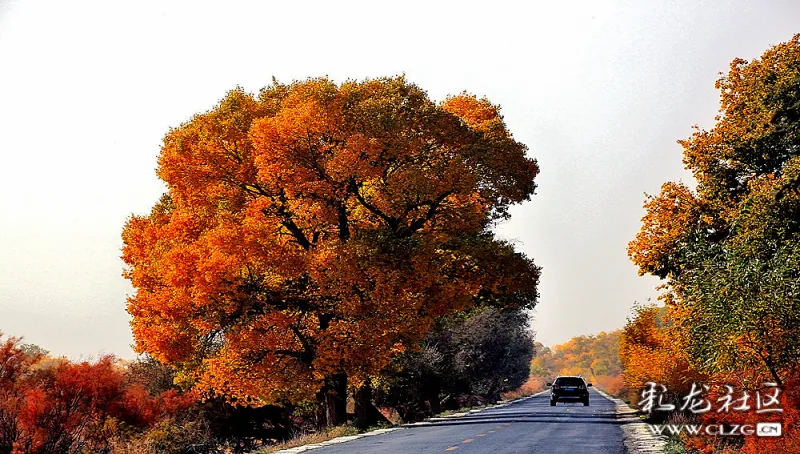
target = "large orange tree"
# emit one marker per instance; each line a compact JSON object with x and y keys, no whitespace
{"x":312,"y":232}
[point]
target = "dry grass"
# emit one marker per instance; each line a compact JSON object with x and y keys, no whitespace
{"x":529,"y":388}
{"x":311,"y":438}
{"x":460,"y":410}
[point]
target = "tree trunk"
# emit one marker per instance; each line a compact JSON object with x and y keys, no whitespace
{"x":433,"y":400}
{"x":366,"y":413}
{"x":336,"y":399}
{"x":320,"y":414}
{"x":493,"y":394}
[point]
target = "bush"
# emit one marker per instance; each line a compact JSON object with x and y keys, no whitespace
{"x":468,"y":360}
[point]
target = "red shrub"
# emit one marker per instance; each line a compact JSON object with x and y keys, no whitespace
{"x":60,"y":406}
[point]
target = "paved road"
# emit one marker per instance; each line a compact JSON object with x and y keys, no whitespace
{"x":530,"y":426}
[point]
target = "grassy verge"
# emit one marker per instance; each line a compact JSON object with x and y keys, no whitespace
{"x":675,"y":446}
{"x":311,"y":438}
{"x":507,"y":397}
{"x":461,"y":410}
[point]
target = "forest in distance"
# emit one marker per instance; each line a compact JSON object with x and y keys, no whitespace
{"x":324,"y":263}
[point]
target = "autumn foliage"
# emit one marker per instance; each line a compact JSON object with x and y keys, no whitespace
{"x":50,"y":405}
{"x":729,"y":250}
{"x":595,"y":357}
{"x":313,"y":232}
{"x":650,"y":351}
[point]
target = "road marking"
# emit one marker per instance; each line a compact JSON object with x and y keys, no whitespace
{"x":491,"y":431}
{"x":468,"y":440}
{"x":481,"y":435}
{"x":451,"y":448}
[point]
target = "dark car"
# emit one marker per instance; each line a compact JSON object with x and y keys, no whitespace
{"x":569,"y":389}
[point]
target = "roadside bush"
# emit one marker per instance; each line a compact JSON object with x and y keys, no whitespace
{"x":468,"y":360}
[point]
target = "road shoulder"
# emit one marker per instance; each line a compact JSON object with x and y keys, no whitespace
{"x":637,"y":438}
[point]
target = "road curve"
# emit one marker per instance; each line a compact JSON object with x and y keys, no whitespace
{"x":528,"y":426}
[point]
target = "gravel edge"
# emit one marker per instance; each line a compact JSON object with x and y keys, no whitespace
{"x":636,"y":436}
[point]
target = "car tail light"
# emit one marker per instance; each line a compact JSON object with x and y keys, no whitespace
{"x":556,"y":387}
{"x":581,"y":387}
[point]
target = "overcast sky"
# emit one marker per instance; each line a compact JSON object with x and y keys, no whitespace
{"x":599,"y":90}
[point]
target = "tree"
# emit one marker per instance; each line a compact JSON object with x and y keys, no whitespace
{"x":15,"y":365}
{"x":650,"y":351}
{"x":729,"y":250}
{"x":152,"y":375}
{"x":596,"y":357}
{"x":479,"y":354}
{"x":312,"y":233}
{"x":492,"y":352}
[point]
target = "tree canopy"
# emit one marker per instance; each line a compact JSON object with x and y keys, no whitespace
{"x":317,"y":230}
{"x":729,"y":249}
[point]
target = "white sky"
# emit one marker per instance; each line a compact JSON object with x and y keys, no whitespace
{"x":599,"y":90}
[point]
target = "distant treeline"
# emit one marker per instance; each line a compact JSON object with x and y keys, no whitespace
{"x":596,"y":357}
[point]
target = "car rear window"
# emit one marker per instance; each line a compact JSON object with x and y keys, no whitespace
{"x":569,"y":381}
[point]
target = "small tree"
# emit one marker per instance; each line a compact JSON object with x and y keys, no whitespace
{"x":493,"y":352}
{"x":478,"y":354}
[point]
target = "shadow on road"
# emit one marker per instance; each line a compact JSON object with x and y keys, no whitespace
{"x":527,"y":426}
{"x":529,"y":418}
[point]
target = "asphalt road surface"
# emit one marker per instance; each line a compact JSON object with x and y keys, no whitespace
{"x":529,"y":426}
